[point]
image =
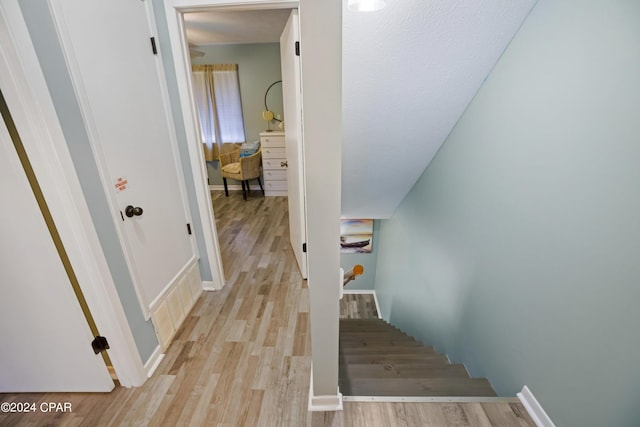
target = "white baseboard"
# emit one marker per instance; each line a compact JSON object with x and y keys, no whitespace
{"x":153,"y":362}
{"x":209,"y":286}
{"x":430,"y":399}
{"x":324,"y":403}
{"x":364,"y":292}
{"x":533,"y":407}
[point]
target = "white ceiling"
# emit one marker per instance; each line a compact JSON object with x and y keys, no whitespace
{"x":409,"y":72}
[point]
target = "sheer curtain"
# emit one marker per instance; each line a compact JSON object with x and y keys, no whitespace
{"x":217,"y":95}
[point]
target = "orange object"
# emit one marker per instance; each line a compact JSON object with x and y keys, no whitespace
{"x":358,"y":270}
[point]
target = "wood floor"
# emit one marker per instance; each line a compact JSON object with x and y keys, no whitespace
{"x":242,"y":358}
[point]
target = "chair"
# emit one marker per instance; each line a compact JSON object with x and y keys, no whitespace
{"x":239,"y":168}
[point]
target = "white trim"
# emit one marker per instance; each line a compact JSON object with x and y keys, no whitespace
{"x":209,"y":286}
{"x":365,"y":292}
{"x":324,"y":403}
{"x":154,"y":361}
{"x":431,"y":399}
{"x":533,"y":407}
{"x":27,"y":95}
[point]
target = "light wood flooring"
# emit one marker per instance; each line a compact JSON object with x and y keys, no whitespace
{"x":242,"y":358}
{"x":358,"y":306}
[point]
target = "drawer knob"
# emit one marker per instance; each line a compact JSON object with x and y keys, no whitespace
{"x":284,"y":164}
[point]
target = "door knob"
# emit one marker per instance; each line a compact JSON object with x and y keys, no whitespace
{"x":130,"y":211}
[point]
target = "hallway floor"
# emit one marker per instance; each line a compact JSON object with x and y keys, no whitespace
{"x":242,"y":357}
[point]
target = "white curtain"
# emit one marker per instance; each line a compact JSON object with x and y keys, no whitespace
{"x":217,"y":95}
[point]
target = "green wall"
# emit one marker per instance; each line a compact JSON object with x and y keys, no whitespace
{"x":518,"y":250}
{"x":258,"y":67}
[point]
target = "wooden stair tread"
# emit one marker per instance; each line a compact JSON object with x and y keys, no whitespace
{"x":382,"y":342}
{"x":419,"y":387}
{"x":392,"y":358}
{"x":415,"y":370}
{"x":388,"y":350}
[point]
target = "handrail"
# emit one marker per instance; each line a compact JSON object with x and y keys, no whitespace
{"x":350,"y":275}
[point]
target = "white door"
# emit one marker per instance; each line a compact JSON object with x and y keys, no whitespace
{"x":291,"y":94}
{"x":46,"y":342}
{"x":116,"y":75}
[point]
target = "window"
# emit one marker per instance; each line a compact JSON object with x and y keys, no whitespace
{"x":217,"y":95}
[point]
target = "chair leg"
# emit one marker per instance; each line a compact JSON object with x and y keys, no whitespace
{"x":226,"y":190}
{"x":261,"y":187}
{"x":244,"y":191}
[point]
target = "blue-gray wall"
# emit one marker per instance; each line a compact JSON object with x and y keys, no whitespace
{"x":258,"y":68}
{"x":366,"y":282}
{"x":518,"y":250}
{"x":183,"y":147}
{"x":49,"y":52}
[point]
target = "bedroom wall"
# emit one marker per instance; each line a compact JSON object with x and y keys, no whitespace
{"x":517,"y":251}
{"x":258,"y":67}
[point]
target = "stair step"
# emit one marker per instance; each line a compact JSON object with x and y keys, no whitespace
{"x":386,"y":350}
{"x":382,"y":359}
{"x":393,"y":370}
{"x":375,"y":337}
{"x":380,"y":342}
{"x":417,"y":387}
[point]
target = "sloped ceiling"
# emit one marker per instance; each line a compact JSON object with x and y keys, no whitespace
{"x":409,"y":72}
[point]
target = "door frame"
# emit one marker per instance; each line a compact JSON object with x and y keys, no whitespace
{"x":31,"y":106}
{"x":174,"y":11}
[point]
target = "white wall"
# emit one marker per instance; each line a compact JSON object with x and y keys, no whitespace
{"x":517,"y":251}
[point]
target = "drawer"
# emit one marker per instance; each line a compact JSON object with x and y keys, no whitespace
{"x":270,"y":144}
{"x":275,"y":175}
{"x":278,"y":152}
{"x":274,"y":163}
{"x":272,"y":139}
{"x":275,"y":185}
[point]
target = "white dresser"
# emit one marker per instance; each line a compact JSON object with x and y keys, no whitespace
{"x":274,"y":163}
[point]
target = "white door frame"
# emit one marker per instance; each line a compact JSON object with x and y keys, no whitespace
{"x":174,"y":10}
{"x":27,"y":96}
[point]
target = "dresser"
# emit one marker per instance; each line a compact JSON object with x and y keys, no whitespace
{"x":274,"y":163}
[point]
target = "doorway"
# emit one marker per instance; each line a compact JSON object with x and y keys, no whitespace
{"x":252,"y":40}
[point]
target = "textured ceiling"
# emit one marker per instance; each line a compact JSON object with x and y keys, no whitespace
{"x":409,"y":72}
{"x":259,"y":26}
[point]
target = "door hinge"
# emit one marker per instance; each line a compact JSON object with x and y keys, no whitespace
{"x":99,"y":344}
{"x":189,"y":228}
{"x":297,"y":48}
{"x":304,"y":247}
{"x":154,"y":49}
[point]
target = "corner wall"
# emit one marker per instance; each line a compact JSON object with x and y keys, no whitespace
{"x":517,"y":251}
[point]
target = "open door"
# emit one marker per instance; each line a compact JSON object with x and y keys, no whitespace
{"x":46,"y":341}
{"x":292,"y":101}
{"x":111,"y":54}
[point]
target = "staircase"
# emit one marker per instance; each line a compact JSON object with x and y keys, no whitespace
{"x":377,"y":359}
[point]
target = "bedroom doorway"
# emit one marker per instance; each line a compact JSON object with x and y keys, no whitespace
{"x":258,"y":57}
